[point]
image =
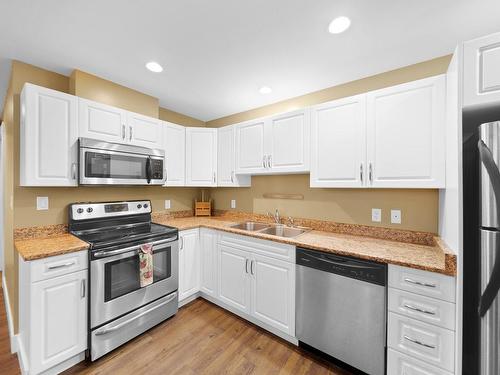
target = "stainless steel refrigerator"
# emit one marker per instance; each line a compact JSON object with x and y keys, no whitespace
{"x":489,"y":225}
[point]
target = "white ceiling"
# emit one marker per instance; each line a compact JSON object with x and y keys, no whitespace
{"x":217,"y":53}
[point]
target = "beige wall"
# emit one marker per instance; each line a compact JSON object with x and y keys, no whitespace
{"x":23,"y":212}
{"x":419,"y":207}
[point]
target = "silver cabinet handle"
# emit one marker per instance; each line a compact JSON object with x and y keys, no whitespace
{"x":414,"y":282}
{"x":419,"y":309}
{"x":130,"y":133}
{"x":232,"y":176}
{"x":182,"y":243}
{"x":128,"y":321}
{"x":123,"y":131}
{"x":251,"y":267}
{"x":214,"y":178}
{"x":418,"y":342}
{"x":269,"y":161}
{"x":246,"y":265}
{"x":60,"y":265}
{"x":361,"y":173}
{"x":264,"y":161}
{"x":166,"y":175}
{"x":370,"y":173}
{"x":82,"y":288}
{"x":73,"y":171}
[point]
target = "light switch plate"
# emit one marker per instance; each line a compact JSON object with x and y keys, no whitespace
{"x":167,"y":204}
{"x":42,"y":203}
{"x":233,"y":203}
{"x":396,"y":216}
{"x":377,"y":215}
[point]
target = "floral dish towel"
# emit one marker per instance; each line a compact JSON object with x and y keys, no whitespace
{"x":146,"y":264}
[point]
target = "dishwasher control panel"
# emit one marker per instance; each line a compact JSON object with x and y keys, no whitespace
{"x":358,"y":269}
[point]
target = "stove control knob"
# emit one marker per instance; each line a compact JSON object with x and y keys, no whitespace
{"x":80,"y":210}
{"x":139,"y":205}
{"x":145,"y":205}
{"x":90,"y":209}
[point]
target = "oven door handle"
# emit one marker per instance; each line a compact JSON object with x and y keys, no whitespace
{"x":105,"y":331}
{"x":104,"y":254}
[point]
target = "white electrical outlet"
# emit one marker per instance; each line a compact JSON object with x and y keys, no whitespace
{"x":377,"y":215}
{"x":42,"y":203}
{"x":233,"y":203}
{"x":396,"y":216}
{"x":167,"y":204}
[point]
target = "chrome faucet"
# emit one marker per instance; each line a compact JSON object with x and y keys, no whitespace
{"x":276,"y":216}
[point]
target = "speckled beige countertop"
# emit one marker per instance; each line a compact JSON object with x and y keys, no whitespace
{"x":413,"y":249}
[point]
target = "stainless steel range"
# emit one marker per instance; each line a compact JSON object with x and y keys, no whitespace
{"x":119,"y":309}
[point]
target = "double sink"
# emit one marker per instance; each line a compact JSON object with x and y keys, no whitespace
{"x":278,"y":230}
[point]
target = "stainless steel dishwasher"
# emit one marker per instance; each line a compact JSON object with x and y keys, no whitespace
{"x":341,"y":308}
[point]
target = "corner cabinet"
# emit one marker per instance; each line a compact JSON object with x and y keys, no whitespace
{"x":226,"y":160}
{"x":53,"y":312}
{"x":201,"y":157}
{"x":482,"y":71}
{"x":48,"y":137}
{"x":175,"y":154}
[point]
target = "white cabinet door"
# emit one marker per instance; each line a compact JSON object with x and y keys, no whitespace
{"x":59,"y":326}
{"x":208,"y":257}
{"x":201,"y":157}
{"x":273,"y":292}
{"x":482,"y":71}
{"x":250,"y":153}
{"x":234,"y":283}
{"x":175,"y":154}
{"x":338,"y":146}
{"x":406,"y":145}
{"x":226,"y":174}
{"x":288,"y":142}
{"x":144,"y":131}
{"x":49,"y":135}
{"x":102,"y":122}
{"x":189,"y":266}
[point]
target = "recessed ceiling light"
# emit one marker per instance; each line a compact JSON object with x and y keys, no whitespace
{"x":339,"y":25}
{"x":154,"y":67}
{"x":265,"y":90}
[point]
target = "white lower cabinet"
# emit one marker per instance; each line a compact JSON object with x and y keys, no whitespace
{"x":189,"y":263}
{"x":53,"y":314}
{"x":208,"y":256}
{"x":401,"y":364}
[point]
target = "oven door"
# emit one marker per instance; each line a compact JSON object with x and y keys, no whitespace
{"x":114,"y":280}
{"x":106,"y":167}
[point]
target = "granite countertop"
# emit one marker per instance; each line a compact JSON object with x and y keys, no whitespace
{"x":413,"y":249}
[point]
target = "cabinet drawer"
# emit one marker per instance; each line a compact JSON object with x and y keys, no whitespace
{"x":426,"y":283}
{"x":423,"y":341}
{"x":59,"y":265}
{"x":429,"y":310}
{"x":401,"y":364}
{"x":256,"y":245}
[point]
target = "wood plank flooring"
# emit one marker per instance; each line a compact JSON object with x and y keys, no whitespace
{"x":205,"y":339}
{"x":8,"y":361}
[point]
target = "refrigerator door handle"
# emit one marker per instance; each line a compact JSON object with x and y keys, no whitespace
{"x":493,"y":286}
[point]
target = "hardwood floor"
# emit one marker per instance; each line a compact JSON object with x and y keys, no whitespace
{"x":8,"y":361}
{"x":205,"y":339}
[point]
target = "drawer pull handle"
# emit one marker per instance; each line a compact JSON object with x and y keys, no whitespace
{"x":61,"y":265}
{"x":418,"y":342}
{"x":411,"y":281}
{"x":419,"y":309}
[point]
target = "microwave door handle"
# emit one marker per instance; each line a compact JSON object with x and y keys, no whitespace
{"x":493,"y":286}
{"x":149,"y":172}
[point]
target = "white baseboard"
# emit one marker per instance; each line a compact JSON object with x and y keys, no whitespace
{"x":10,"y":322}
{"x":191,"y":298}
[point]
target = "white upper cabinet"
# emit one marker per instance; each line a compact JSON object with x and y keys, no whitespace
{"x":175,"y":154}
{"x":226,"y":173}
{"x":250,"y":154}
{"x":288,"y":142}
{"x":101,"y":121}
{"x":145,"y":131}
{"x":405,"y":142}
{"x":482,"y":71}
{"x":338,"y":145}
{"x":201,"y":157}
{"x":49,"y":135}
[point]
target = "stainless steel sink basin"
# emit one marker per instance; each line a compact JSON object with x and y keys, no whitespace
{"x":284,"y":231}
{"x":250,"y":226}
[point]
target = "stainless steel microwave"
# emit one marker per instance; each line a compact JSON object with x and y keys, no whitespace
{"x":105,"y":163}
